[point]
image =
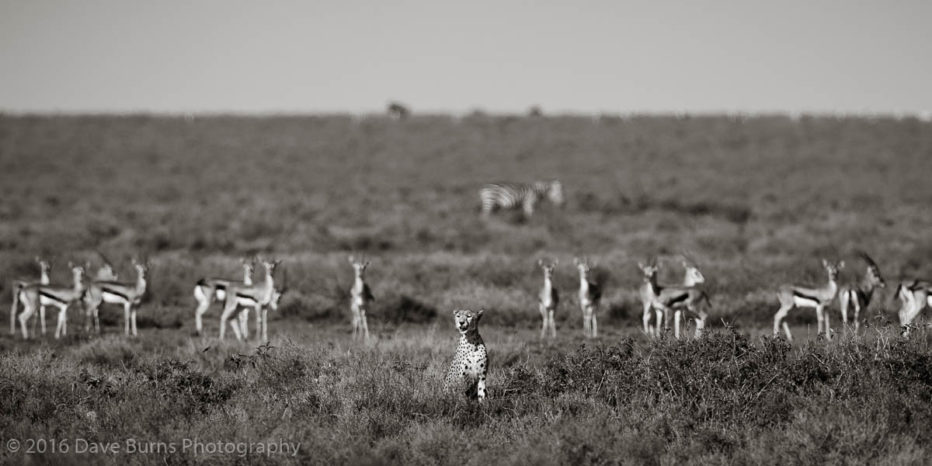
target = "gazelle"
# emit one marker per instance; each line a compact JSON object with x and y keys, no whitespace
{"x":32,"y":295}
{"x":44,"y":269}
{"x":792,"y":296}
{"x":915,"y":295}
{"x":689,"y":297}
{"x":859,"y":296}
{"x":129,"y":295}
{"x":650,"y":292}
{"x":692,"y":278}
{"x":360,"y":297}
{"x":259,"y":296}
{"x":549,"y":299}
{"x":208,"y":290}
{"x":590,"y":294}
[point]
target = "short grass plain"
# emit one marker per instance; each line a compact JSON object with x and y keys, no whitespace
{"x":757,"y":201}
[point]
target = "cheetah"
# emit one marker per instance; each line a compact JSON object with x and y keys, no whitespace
{"x":471,"y":363}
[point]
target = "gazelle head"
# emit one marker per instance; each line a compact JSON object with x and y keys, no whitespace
{"x":44,"y":265}
{"x":873,"y":276}
{"x":105,"y":272}
{"x":832,"y":269}
{"x":649,"y":269}
{"x":467,"y":321}
{"x":77,"y":271}
{"x":583,"y":265}
{"x":555,"y":192}
{"x":693,"y":275}
{"x":270,"y":265}
{"x":249,"y":266}
{"x":359,"y":265}
{"x":547,"y":267}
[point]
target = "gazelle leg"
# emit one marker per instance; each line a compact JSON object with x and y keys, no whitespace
{"x":553,"y":325}
{"x":658,"y":315}
{"x":198,"y":316}
{"x":677,"y":315}
{"x":365,"y":324}
{"x":843,"y":305}
{"x":234,"y":325}
{"x":595,"y":325}
{"x":646,"y":319}
{"x":543,"y":323}
{"x":126,"y":319}
{"x":42,"y":318}
{"x":242,"y":320}
{"x":700,"y":323}
{"x":265,"y":324}
{"x":132,"y":314}
{"x":820,"y":319}
{"x":58,"y":323}
{"x":828,"y":327}
{"x":228,"y":309}
{"x":778,"y":319}
{"x":28,"y":310}
{"x":24,"y":323}
{"x":857,"y":319}
{"x":97,"y":319}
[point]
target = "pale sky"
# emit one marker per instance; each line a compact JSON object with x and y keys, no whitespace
{"x":500,"y":56}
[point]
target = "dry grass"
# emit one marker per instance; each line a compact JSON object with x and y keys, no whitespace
{"x":756,"y":200}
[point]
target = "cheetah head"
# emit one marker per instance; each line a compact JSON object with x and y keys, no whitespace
{"x":466,"y":320}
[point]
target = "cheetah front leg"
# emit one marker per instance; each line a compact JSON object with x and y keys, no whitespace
{"x":480,"y":387}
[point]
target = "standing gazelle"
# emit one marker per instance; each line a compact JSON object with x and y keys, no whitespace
{"x":549,"y":299}
{"x":360,"y":298}
{"x":915,"y":295}
{"x":32,"y":296}
{"x":259,"y":296}
{"x":682,"y":296}
{"x":590,"y":294}
{"x":208,"y":290}
{"x":44,"y":269}
{"x":860,"y":295}
{"x":791,"y":296}
{"x":127,"y":294}
{"x":650,"y":292}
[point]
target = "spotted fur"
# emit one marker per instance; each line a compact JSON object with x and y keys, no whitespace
{"x":471,"y":363}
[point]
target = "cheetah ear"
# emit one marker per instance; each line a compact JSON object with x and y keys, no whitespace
{"x":479,"y":314}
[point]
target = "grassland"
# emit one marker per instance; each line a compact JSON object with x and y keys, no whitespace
{"x":756,"y":200}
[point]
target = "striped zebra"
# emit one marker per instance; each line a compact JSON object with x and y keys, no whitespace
{"x":523,"y":196}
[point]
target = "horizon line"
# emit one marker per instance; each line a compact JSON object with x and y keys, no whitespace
{"x":922,"y":115}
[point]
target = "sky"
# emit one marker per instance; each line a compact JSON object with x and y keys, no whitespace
{"x":180,"y":56}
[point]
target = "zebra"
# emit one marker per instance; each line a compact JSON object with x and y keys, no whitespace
{"x":515,"y":195}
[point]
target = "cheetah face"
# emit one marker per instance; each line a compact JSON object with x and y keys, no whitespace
{"x":466,"y":320}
